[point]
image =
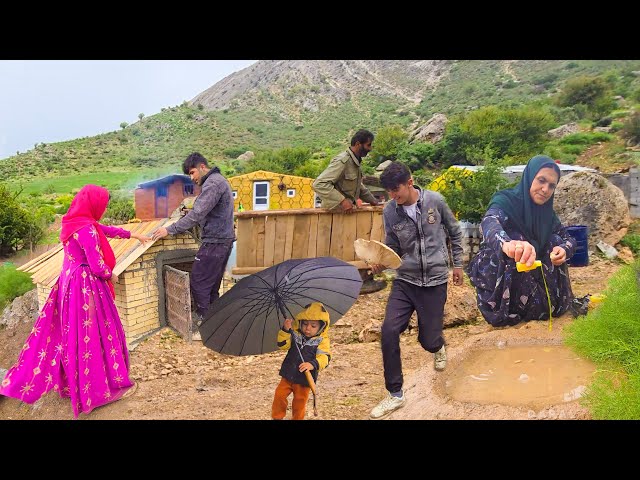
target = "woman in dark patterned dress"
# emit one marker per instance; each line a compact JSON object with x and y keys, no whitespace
{"x":521,"y":225}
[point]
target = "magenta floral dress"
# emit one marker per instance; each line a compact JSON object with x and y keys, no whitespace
{"x":77,"y":346}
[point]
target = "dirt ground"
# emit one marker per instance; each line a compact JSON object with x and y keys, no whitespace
{"x":178,"y":380}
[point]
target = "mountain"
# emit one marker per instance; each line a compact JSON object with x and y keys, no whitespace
{"x":315,"y":84}
{"x":313,"y":103}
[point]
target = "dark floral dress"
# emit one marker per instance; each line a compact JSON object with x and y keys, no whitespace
{"x":506,"y":296}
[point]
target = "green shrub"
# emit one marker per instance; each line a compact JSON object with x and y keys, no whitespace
{"x":469,"y":194}
{"x":632,"y":240}
{"x":631,"y":129}
{"x":119,"y":211}
{"x":588,"y":138}
{"x":13,"y":284}
{"x":593,"y":93}
{"x":518,"y":133}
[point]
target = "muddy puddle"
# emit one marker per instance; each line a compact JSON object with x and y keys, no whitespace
{"x":535,"y":376}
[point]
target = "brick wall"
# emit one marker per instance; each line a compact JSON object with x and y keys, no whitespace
{"x":137,"y":291}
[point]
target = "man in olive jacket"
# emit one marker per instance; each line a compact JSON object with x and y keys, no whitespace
{"x":340,"y":185}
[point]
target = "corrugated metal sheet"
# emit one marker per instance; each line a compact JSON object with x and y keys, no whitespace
{"x":45,"y":269}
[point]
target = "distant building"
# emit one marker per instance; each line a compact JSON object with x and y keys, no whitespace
{"x":159,"y":198}
{"x":262,"y":190}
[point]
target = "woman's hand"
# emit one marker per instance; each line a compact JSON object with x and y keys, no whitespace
{"x":143,"y":239}
{"x":114,"y":278}
{"x":520,"y":250}
{"x":305,"y":366}
{"x":558,"y":256}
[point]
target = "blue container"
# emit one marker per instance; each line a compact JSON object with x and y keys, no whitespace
{"x":581,"y":256}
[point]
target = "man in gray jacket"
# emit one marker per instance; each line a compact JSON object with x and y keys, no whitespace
{"x":415,"y":221}
{"x":340,"y":184}
{"x":213,"y":211}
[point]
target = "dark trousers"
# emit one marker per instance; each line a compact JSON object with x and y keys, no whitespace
{"x":206,"y":274}
{"x":404,"y":299}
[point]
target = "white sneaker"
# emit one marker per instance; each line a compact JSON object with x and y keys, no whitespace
{"x":440,"y":359}
{"x":388,"y":405}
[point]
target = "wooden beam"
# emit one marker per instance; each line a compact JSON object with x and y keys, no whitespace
{"x":299,"y":211}
{"x":360,"y":265}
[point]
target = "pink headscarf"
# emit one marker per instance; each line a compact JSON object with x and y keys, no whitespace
{"x":86,"y":208}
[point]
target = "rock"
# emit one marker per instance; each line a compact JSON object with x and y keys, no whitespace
{"x":3,"y":372}
{"x":23,"y":309}
{"x":246,"y":156}
{"x":372,"y":332}
{"x":586,"y":198}
{"x":432,"y":131}
{"x":609,"y":251}
{"x":342,"y":323}
{"x":564,"y":130}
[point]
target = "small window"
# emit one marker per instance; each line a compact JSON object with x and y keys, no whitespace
{"x":235,"y":194}
{"x":188,"y":189}
{"x":291,"y":192}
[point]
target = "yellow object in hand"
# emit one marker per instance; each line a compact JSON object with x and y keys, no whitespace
{"x":522,"y":267}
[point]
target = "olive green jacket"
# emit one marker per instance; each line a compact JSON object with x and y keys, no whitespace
{"x":342,"y":179}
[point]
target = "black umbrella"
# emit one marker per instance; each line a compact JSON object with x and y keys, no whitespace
{"x":246,"y":319}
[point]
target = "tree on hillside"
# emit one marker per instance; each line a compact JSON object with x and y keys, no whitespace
{"x":141,"y":116}
{"x":592,"y":96}
{"x":495,"y":132}
{"x":16,"y":226}
{"x":124,"y":125}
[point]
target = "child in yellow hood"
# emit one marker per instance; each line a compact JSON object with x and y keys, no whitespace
{"x":310,"y":332}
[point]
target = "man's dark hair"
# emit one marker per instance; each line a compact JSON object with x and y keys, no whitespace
{"x":362,"y":136}
{"x":192,"y":161}
{"x":395,"y":175}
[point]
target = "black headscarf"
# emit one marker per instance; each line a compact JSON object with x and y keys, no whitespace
{"x":535,"y":222}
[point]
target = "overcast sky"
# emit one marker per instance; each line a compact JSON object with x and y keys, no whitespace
{"x":56,"y":100}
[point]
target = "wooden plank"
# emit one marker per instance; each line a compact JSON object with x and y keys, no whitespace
{"x":313,"y":236}
{"x":251,"y":253}
{"x":259,"y":227}
{"x":349,"y":226}
{"x":269,"y":240}
{"x":28,"y":267}
{"x":337,"y":242}
{"x":298,"y":211}
{"x":359,"y":264}
{"x":365,"y":222}
{"x":377,"y":229}
{"x":288,"y":241}
{"x":323,"y":241}
{"x":242,"y":244}
{"x":300,"y":236}
{"x":281,"y":235}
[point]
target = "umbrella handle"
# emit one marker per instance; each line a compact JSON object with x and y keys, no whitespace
{"x":312,"y":384}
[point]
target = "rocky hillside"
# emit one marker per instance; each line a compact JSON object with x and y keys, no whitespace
{"x":312,"y":84}
{"x":316,"y":104}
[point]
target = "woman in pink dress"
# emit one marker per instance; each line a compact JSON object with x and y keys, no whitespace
{"x":77,"y":346}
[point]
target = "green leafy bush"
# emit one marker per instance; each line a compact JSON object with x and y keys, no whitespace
{"x":13,"y":284}
{"x":119,"y":211}
{"x":469,"y":194}
{"x":632,"y":240}
{"x":593,"y":93}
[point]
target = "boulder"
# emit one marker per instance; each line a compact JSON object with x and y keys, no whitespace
{"x":585,"y":198}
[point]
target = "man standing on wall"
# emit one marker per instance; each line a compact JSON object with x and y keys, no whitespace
{"x":213,"y":211}
{"x":340,"y":184}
